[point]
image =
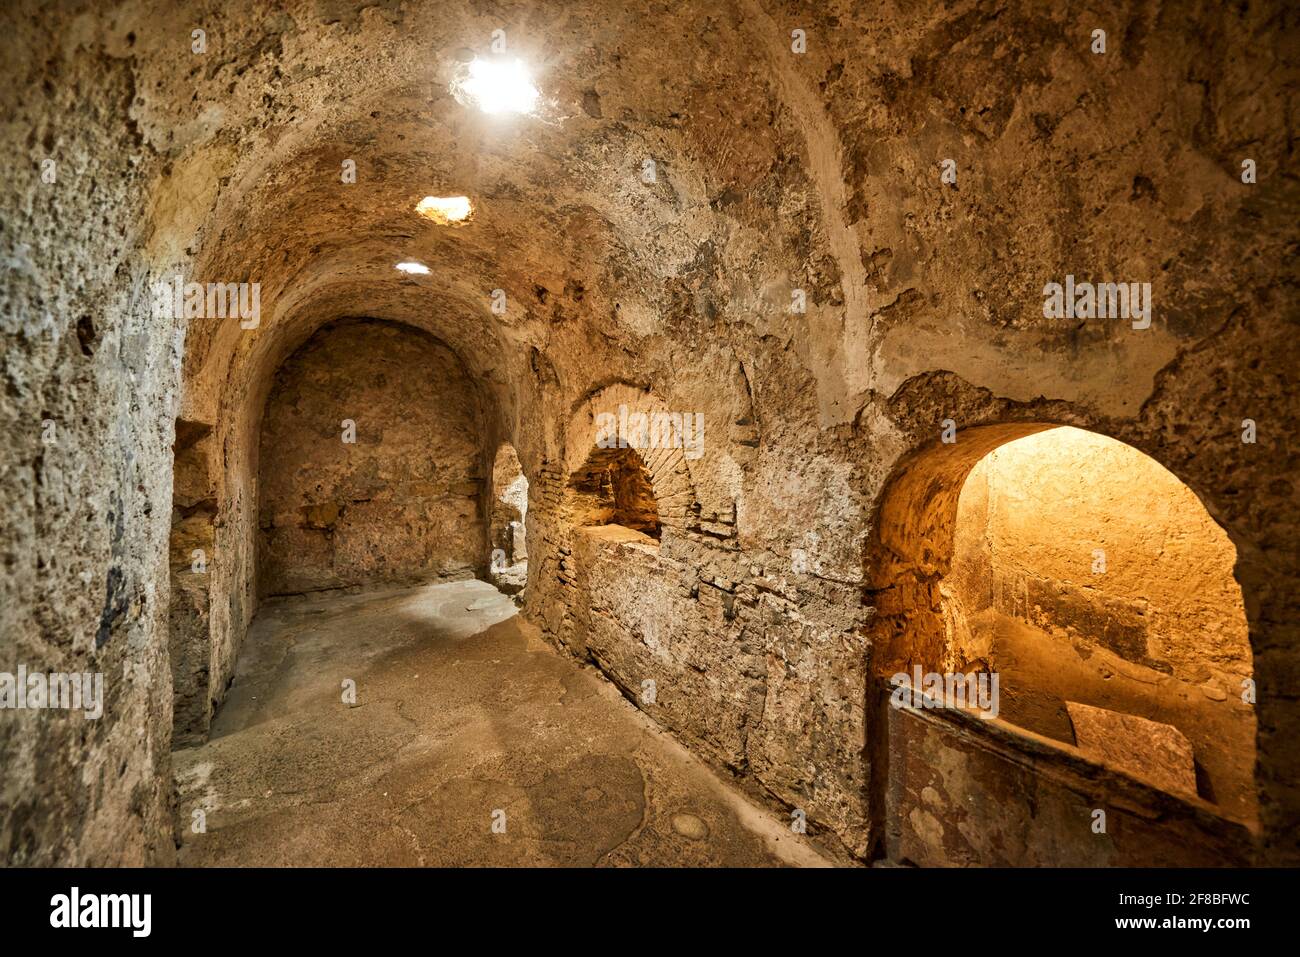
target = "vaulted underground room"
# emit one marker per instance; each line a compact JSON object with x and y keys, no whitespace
{"x":638,"y":435}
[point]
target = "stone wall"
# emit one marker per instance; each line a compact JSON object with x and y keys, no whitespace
{"x":962,"y":795}
{"x":370,"y":449}
{"x":87,"y":402}
{"x":192,"y":547}
{"x":508,"y":508}
{"x":1083,"y":534}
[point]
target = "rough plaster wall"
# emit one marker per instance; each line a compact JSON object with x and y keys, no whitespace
{"x":398,"y":504}
{"x":1067,"y":161}
{"x":971,"y":586}
{"x":85,"y":500}
{"x":1031,"y":515}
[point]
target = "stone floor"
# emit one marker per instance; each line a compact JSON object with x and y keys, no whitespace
{"x":463,"y":717}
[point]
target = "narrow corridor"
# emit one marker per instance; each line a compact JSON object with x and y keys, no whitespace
{"x":464,"y":720}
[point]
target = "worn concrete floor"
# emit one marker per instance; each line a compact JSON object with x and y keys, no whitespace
{"x":463,"y":716}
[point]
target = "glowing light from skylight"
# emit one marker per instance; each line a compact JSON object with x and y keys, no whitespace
{"x":445,"y":210}
{"x":498,"y":86}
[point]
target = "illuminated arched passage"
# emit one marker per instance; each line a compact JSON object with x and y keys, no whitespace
{"x":1093,"y":583}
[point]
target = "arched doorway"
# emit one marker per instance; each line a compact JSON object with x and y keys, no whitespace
{"x":507,"y":520}
{"x":1096,"y":589}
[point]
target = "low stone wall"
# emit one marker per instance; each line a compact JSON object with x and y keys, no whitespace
{"x":758,"y":669}
{"x":965,"y":791}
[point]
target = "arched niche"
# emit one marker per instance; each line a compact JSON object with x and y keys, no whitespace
{"x":613,"y":487}
{"x":1092,"y":582}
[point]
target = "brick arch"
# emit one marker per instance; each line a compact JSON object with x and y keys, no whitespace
{"x":665,"y":468}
